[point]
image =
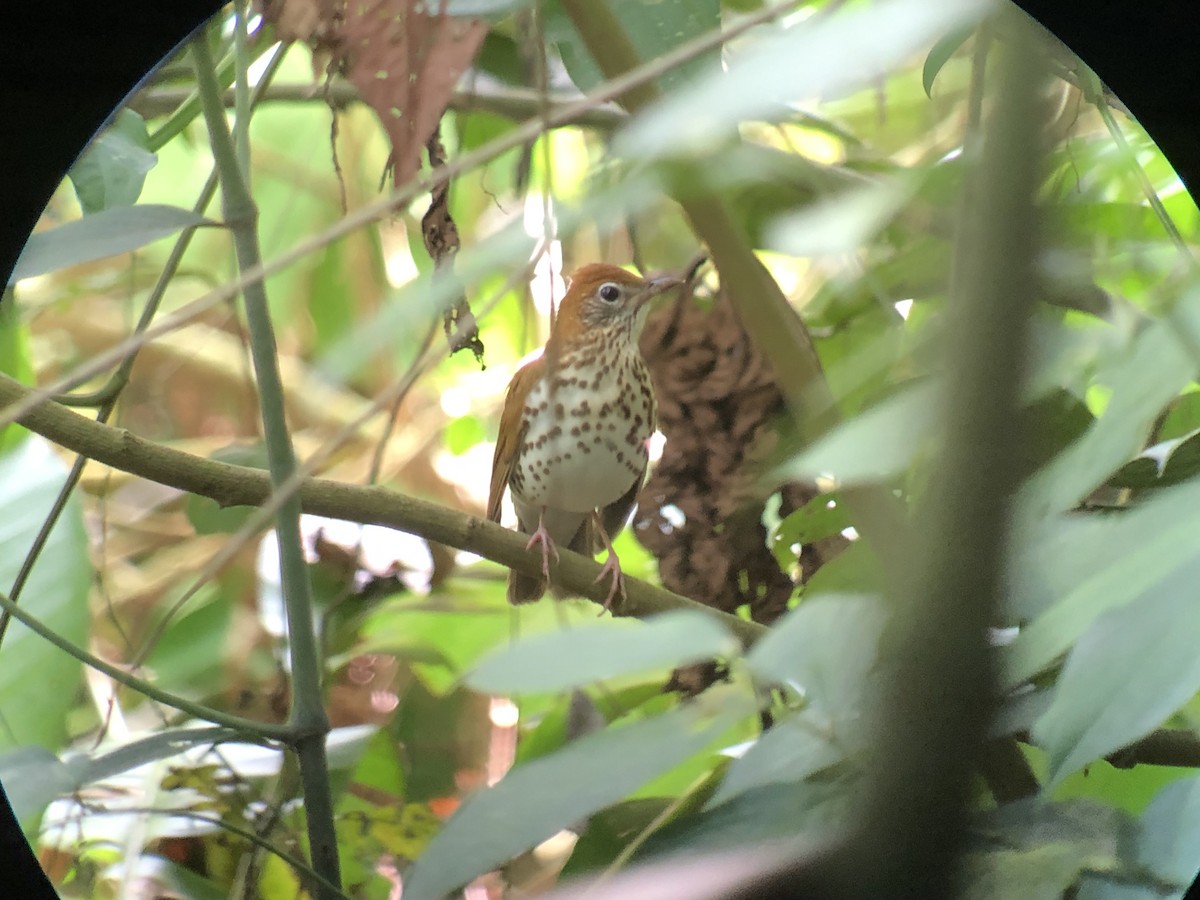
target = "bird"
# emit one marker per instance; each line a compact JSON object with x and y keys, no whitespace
{"x":572,"y":445}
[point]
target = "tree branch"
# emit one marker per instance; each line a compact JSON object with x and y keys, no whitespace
{"x":231,"y":485}
{"x":510,"y":102}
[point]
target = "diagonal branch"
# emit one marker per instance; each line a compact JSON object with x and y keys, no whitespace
{"x":231,"y":485}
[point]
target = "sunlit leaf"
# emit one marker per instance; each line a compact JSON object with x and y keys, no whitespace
{"x":840,"y":224}
{"x":652,"y":28}
{"x":31,"y":475}
{"x":113,"y":169}
{"x":104,"y":234}
{"x":804,"y":61}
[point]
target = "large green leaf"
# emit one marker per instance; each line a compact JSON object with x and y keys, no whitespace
{"x":1128,"y":672}
{"x":113,"y":169}
{"x":101,"y":235}
{"x":576,"y":657}
{"x":875,"y":445}
{"x":825,"y":649}
{"x":1070,"y":571}
{"x":809,"y":59}
{"x":38,"y":682}
{"x":540,"y":798}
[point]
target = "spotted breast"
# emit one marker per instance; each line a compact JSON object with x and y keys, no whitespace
{"x":573,"y":435}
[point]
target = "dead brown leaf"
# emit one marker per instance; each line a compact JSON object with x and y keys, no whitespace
{"x":405,"y":63}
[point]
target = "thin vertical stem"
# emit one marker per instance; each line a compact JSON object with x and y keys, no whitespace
{"x":307,"y":714}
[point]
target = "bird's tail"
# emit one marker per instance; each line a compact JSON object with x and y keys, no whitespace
{"x":525,"y":588}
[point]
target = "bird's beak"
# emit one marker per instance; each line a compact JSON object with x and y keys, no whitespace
{"x":660,"y":285}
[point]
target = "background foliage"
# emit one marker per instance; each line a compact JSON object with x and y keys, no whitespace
{"x":841,"y":143}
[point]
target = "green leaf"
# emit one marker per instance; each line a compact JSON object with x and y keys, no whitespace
{"x":821,"y":517}
{"x":1164,"y":464}
{"x":536,"y":800}
{"x":191,"y":656}
{"x":826,"y":645}
{"x":764,"y":815}
{"x":1170,"y":833}
{"x":206,"y":515}
{"x":940,"y":55}
{"x":113,"y":169}
{"x":609,"y":832}
{"x":855,"y":570}
{"x":794,"y":748}
{"x":1143,"y":377}
{"x":875,"y":445}
{"x":32,"y":778}
{"x":653,"y":29}
{"x":825,"y":649}
{"x":443,"y":643}
{"x":1069,"y":571}
{"x":839,"y":224}
{"x":30,"y":477}
{"x":1128,"y":672}
{"x":16,"y":359}
{"x":808,"y":59}
{"x":606,"y":649}
{"x":101,"y":235}
{"x":1036,"y":849}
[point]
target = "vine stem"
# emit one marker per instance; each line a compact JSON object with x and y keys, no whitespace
{"x":307,"y":715}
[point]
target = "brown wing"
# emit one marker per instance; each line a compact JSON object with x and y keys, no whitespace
{"x":511,"y":435}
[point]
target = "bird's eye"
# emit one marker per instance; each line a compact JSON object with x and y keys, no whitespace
{"x":609,"y":292}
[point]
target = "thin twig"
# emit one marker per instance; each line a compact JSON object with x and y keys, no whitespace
{"x":386,"y":206}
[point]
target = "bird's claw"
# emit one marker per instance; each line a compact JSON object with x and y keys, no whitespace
{"x":542,"y":536}
{"x":612,"y":567}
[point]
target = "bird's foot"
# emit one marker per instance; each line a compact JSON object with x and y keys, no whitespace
{"x":612,"y":568}
{"x":542,"y":536}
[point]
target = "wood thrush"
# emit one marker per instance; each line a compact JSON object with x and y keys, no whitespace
{"x":576,"y":421}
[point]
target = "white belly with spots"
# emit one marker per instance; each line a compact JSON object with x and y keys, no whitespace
{"x":586,"y":443}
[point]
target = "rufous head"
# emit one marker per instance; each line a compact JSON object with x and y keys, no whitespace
{"x":606,"y":298}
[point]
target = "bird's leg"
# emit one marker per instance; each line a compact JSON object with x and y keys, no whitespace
{"x":542,"y":536}
{"x":611,"y":567}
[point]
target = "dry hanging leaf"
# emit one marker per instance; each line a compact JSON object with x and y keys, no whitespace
{"x":406,"y":63}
